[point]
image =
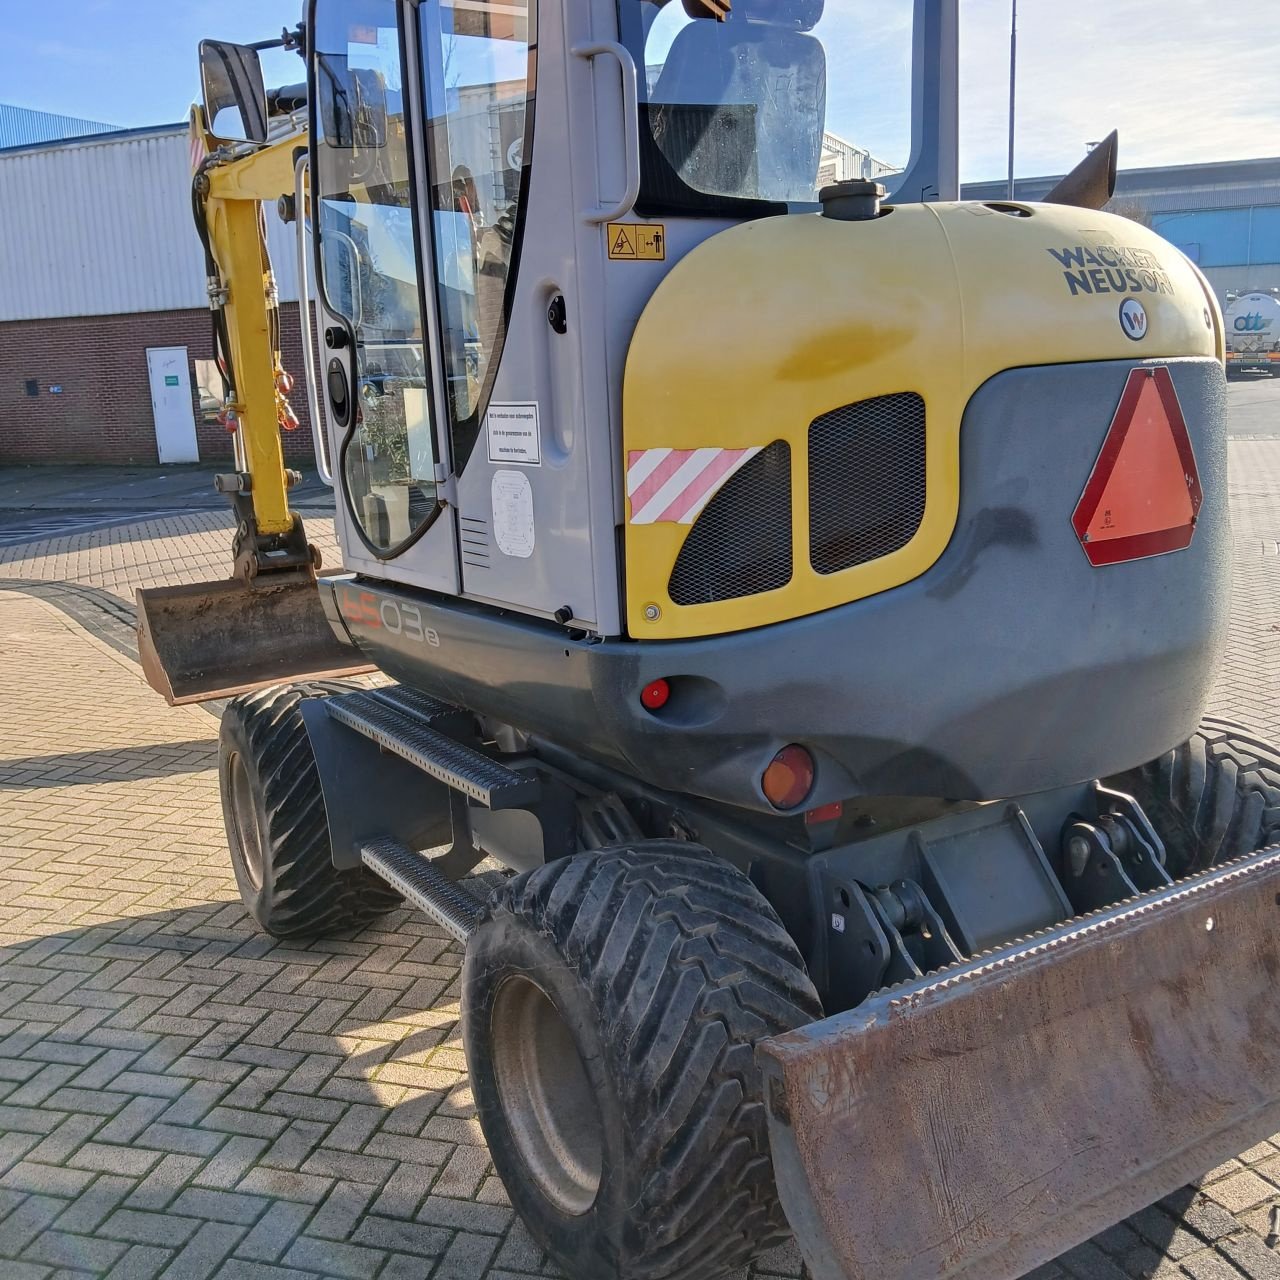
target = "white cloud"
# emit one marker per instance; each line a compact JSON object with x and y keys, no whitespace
{"x":1183,"y":81}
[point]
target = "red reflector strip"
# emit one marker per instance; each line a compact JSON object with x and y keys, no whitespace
{"x":825,"y":813}
{"x":1143,"y":497}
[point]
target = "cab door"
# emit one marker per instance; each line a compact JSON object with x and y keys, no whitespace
{"x":379,"y":344}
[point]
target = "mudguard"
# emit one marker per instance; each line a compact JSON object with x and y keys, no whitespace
{"x":980,"y":1121}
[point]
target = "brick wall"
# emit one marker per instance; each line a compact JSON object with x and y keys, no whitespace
{"x":104,"y":411}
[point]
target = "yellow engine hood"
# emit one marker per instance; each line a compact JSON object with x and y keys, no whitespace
{"x":771,"y":324}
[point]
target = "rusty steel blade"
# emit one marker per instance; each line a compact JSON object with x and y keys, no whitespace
{"x":206,"y":640}
{"x":979,"y":1122}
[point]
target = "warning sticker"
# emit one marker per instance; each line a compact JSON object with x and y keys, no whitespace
{"x":637,"y":242}
{"x":513,"y":434}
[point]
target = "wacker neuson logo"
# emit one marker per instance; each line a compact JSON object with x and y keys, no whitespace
{"x":1111,"y":268}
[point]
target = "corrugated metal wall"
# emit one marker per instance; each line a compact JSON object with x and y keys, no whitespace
{"x":20,"y":126}
{"x":1224,"y":237}
{"x":103,"y":227}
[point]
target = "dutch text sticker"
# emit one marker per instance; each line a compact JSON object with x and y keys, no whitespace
{"x":513,"y":434}
{"x":513,"y":513}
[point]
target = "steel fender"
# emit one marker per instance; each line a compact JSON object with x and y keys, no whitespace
{"x":979,"y":1122}
{"x":370,"y":793}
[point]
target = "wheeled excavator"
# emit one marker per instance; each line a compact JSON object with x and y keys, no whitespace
{"x":806,"y":590}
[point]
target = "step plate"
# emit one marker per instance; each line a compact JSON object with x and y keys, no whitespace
{"x":424,"y":885}
{"x":452,"y":762}
{"x":439,"y":715}
{"x":980,"y":1122}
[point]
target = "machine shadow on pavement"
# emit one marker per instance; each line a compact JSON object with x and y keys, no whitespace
{"x":175,"y":1084}
{"x":123,"y":764}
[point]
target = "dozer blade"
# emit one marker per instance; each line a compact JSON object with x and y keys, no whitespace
{"x":979,"y":1122}
{"x":208,"y":640}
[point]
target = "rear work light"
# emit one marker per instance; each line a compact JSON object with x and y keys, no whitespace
{"x":1143,"y":497}
{"x":787,"y":781}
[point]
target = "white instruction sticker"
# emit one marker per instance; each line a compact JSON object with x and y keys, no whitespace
{"x":513,"y":513}
{"x":513,"y":434}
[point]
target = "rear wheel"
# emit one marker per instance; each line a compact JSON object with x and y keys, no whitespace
{"x":611,"y":1004}
{"x":1214,"y":798}
{"x":277,"y":829}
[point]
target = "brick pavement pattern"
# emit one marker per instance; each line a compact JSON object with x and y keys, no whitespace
{"x":181,"y":1097}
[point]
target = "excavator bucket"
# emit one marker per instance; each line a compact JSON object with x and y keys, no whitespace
{"x":213,"y":639}
{"x":978,"y":1122}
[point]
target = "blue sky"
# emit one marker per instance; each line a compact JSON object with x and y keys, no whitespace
{"x":1187,"y":86}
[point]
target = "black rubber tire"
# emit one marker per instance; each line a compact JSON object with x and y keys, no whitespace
{"x":1215,"y":798}
{"x":666,"y":965}
{"x":296,"y":890}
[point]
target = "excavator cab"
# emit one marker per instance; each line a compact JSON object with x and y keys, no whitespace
{"x":809,"y":583}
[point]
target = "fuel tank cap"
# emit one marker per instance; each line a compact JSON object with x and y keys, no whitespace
{"x":854,"y":200}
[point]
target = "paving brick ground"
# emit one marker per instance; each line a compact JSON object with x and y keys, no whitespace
{"x":183,"y":1098}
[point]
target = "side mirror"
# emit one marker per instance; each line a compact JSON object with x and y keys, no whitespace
{"x":235,"y":96}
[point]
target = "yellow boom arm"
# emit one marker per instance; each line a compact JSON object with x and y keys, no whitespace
{"x":237,"y":190}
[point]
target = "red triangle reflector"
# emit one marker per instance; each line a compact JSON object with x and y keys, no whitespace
{"x":1143,"y":497}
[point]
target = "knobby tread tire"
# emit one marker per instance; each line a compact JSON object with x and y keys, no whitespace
{"x":303,"y":894}
{"x":1215,"y":798}
{"x":685,"y":966}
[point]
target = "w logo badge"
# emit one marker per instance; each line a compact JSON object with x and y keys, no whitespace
{"x":1133,"y":319}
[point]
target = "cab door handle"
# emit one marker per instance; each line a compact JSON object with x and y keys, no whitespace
{"x":630,"y":125}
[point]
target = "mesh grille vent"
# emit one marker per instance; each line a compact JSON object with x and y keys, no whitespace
{"x":741,"y":543}
{"x":866,"y":480}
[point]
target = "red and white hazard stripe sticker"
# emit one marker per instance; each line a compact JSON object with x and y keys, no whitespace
{"x":198,"y":151}
{"x":672,"y":486}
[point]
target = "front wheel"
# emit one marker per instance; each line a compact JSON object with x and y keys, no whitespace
{"x":611,"y":1003}
{"x":276,"y":823}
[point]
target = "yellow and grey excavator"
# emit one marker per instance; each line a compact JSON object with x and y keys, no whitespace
{"x":809,"y":594}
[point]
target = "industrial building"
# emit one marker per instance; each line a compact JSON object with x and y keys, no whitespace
{"x":20,"y":126}
{"x":103,"y":304}
{"x":1225,"y":217}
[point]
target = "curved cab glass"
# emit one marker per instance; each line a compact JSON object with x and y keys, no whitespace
{"x":369,"y":266}
{"x":757,"y":113}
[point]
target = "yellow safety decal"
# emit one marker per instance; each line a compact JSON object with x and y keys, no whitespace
{"x":637,"y":242}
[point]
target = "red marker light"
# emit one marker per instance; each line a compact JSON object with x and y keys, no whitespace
{"x":787,"y":781}
{"x":655,"y":695}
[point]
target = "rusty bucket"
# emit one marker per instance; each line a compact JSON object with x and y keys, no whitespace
{"x":213,"y":639}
